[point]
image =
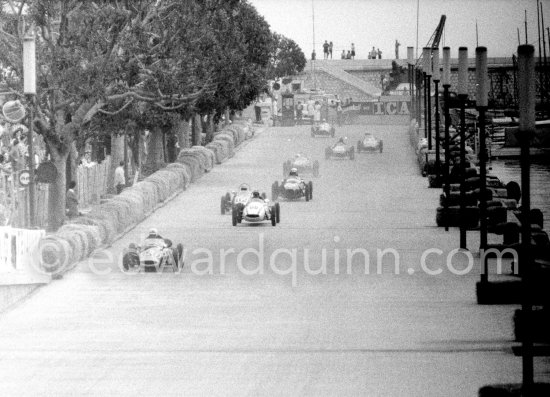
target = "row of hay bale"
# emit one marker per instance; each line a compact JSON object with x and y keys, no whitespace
{"x":78,"y":239}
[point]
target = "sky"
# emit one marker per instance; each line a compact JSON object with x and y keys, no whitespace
{"x":379,"y":23}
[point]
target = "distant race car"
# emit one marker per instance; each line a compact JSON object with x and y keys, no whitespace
{"x":303,"y":165}
{"x":241,"y":196}
{"x":256,"y":210}
{"x":369,"y":143}
{"x":153,"y":256}
{"x":324,"y":129}
{"x":340,"y":150}
{"x":292,"y":188}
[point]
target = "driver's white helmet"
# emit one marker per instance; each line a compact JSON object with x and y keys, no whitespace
{"x":153,"y":231}
{"x":293,"y":172}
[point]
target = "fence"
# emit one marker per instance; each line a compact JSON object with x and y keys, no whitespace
{"x":17,"y":248}
{"x":92,"y":182}
{"x":15,"y":200}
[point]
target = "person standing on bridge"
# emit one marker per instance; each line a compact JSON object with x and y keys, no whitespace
{"x":352,"y":51}
{"x":325,"y":49}
{"x":330,"y":49}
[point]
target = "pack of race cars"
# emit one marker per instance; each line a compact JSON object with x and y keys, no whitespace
{"x":248,"y":206}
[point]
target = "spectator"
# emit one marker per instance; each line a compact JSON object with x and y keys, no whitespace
{"x":372,"y":53}
{"x":339,"y":111}
{"x":120,"y":180}
{"x":379,"y":53}
{"x":348,"y":55}
{"x":317,"y":112}
{"x":352,"y":51}
{"x":72,"y":201}
{"x":330,"y":49}
{"x":299,"y":109}
{"x":325,"y":49}
{"x":343,"y":56}
{"x":17,"y":160}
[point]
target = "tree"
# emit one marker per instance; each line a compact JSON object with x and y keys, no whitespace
{"x":286,"y":58}
{"x":92,"y":57}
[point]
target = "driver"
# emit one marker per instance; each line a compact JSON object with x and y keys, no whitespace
{"x":293,"y":172}
{"x":256,"y":195}
{"x":340,"y":142}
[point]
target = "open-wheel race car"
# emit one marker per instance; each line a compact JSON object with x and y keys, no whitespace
{"x":292,"y":188}
{"x":303,"y":165}
{"x":153,"y":255}
{"x":257,"y":209}
{"x":340,"y":151}
{"x":241,"y":196}
{"x":370,"y":143}
{"x":324,"y":129}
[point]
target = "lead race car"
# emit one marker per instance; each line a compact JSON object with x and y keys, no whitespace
{"x":241,"y":196}
{"x":303,"y":165}
{"x":256,"y":210}
{"x":324,"y":129}
{"x":369,"y":143}
{"x":292,"y":188}
{"x":340,"y":151}
{"x":153,"y":255}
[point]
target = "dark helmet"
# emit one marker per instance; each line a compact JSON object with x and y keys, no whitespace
{"x":256,"y":194}
{"x":293,"y":172}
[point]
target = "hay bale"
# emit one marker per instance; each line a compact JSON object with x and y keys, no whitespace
{"x":55,"y":254}
{"x":101,"y":227}
{"x":184,"y":172}
{"x":193,"y":163}
{"x":90,"y":235}
{"x":207,"y":154}
{"x":149,"y":192}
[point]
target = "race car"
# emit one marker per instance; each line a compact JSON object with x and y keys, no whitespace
{"x":369,"y":143}
{"x":153,"y":256}
{"x":257,"y":209}
{"x":228,"y":200}
{"x":303,"y":165}
{"x":340,"y":150}
{"x":324,"y":128}
{"x":292,"y":188}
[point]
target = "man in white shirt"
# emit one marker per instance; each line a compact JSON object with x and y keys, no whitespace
{"x":120,"y":180}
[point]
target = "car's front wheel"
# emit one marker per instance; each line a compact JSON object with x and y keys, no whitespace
{"x":130,"y":260}
{"x":278,"y":212}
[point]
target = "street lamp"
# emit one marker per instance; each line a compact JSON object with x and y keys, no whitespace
{"x":29,"y":89}
{"x":446,"y":81}
{"x":463,"y":95}
{"x":410,"y":63}
{"x":427,"y":55}
{"x":436,"y":78}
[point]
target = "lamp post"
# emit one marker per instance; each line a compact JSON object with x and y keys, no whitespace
{"x":481,"y":103}
{"x":410,"y":64}
{"x":29,"y":89}
{"x":426,"y":55}
{"x":462,"y":95}
{"x":526,"y":89}
{"x":446,"y":81}
{"x":436,"y":78}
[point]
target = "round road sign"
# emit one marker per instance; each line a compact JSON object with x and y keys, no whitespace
{"x":24,"y":178}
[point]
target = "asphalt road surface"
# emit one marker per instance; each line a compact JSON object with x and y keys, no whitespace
{"x":275,"y":311}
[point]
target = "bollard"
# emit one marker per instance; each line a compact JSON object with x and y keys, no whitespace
{"x":463,"y":95}
{"x":446,"y":81}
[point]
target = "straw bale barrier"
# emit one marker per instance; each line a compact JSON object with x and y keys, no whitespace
{"x":81,"y":236}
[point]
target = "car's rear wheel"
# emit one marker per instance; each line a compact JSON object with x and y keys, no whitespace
{"x":278,"y":212}
{"x":307,"y":193}
{"x":179,"y":259}
{"x":381,"y":146}
{"x":310,"y":188}
{"x":274,"y":190}
{"x":273,"y":217}
{"x":130,"y":260}
{"x":222,"y":205}
{"x":234,"y":216}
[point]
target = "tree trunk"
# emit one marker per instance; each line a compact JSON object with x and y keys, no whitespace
{"x":117,"y":155}
{"x":196,"y":130}
{"x":72,"y":164}
{"x":184,"y":133}
{"x":209,"y":128}
{"x":57,"y":190}
{"x":155,"y":149}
